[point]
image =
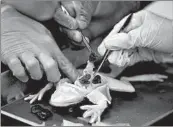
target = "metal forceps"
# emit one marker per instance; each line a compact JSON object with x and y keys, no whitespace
{"x":106,"y":54}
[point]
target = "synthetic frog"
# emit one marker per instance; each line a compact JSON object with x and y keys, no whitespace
{"x":95,"y":88}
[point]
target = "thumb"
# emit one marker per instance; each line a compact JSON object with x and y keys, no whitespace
{"x":126,"y":40}
{"x":64,"y":64}
{"x":118,"y":41}
{"x":83,"y":19}
{"x":84,"y":11}
{"x":135,"y":22}
{"x":65,"y":19}
{"x":124,"y":58}
{"x":113,"y":39}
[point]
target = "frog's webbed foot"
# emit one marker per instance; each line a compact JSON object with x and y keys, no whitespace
{"x":94,"y":111}
{"x":38,"y":96}
{"x":101,"y":98}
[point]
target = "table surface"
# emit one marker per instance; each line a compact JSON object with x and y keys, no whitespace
{"x":151,"y":102}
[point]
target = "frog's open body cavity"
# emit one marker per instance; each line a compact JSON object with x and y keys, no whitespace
{"x":67,"y":94}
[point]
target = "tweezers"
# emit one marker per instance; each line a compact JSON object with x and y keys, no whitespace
{"x":106,"y":54}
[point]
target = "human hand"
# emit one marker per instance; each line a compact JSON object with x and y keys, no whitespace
{"x":80,"y":13}
{"x":29,"y":46}
{"x":148,"y":37}
{"x":39,"y":10}
{"x":14,"y":93}
{"x":101,"y":18}
{"x":14,"y":96}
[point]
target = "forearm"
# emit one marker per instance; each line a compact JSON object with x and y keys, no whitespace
{"x":39,"y":10}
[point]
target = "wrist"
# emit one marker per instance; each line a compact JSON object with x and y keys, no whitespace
{"x":103,"y":104}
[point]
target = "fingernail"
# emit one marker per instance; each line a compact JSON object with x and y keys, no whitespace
{"x":36,"y":77}
{"x":25,"y":79}
{"x":22,"y":79}
{"x":21,"y":75}
{"x":73,"y":25}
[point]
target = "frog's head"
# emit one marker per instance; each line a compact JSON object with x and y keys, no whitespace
{"x":66,"y":94}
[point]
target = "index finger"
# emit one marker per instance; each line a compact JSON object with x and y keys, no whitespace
{"x":135,"y":22}
{"x":18,"y":70}
{"x":50,"y":67}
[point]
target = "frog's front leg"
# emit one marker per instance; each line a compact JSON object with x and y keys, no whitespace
{"x":101,"y":98}
{"x":38,"y":96}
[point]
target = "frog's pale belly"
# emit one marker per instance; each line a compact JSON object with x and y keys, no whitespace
{"x":87,"y":87}
{"x":94,"y":88}
{"x":68,"y":94}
